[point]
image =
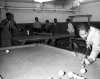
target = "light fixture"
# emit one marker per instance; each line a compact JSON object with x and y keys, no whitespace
{"x":41,"y":1}
{"x":82,"y":0}
{"x":77,"y":3}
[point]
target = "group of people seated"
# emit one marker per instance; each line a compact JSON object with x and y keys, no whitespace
{"x":87,"y":32}
{"x":9,"y":29}
{"x":53,"y":27}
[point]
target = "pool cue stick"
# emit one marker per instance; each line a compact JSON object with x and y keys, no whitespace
{"x":86,"y":56}
{"x":88,"y":51}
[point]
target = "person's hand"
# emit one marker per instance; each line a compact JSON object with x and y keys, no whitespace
{"x":89,"y":45}
{"x":87,"y":61}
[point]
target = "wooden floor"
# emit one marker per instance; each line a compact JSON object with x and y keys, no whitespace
{"x":43,"y":62}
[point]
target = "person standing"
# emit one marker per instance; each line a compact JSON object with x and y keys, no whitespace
{"x":9,"y":30}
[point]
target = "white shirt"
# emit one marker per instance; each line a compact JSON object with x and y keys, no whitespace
{"x":37,"y":24}
{"x":94,"y":40}
{"x":70,"y":28}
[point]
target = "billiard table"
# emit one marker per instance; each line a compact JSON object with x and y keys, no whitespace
{"x":40,"y":61}
{"x":23,"y":39}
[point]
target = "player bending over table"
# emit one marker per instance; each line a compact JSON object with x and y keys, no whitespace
{"x":92,"y":36}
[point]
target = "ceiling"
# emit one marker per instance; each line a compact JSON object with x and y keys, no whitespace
{"x":33,"y":0}
{"x":55,"y":2}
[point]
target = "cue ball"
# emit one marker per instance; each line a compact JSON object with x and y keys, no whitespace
{"x":83,"y":70}
{"x":70,"y":74}
{"x":7,"y":51}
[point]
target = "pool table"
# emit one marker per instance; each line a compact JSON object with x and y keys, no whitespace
{"x":23,"y":39}
{"x":39,"y":61}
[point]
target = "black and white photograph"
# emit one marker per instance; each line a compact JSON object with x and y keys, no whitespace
{"x":49,"y":39}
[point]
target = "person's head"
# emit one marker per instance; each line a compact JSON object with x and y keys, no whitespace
{"x":36,"y":19}
{"x":83,"y":30}
{"x":68,"y":20}
{"x":55,"y":20}
{"x":47,"y":21}
{"x":9,"y":16}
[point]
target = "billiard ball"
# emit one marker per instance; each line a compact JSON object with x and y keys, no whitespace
{"x":83,"y":70}
{"x":70,"y":74}
{"x":7,"y":51}
{"x":61,"y":73}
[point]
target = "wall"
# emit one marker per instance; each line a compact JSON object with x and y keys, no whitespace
{"x":92,"y":8}
{"x":1,"y":4}
{"x":24,"y":12}
{"x":2,"y":10}
{"x":24,"y":15}
{"x":27,"y":16}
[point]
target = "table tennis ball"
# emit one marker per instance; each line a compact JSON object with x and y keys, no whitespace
{"x":61,"y":73}
{"x":83,"y":70}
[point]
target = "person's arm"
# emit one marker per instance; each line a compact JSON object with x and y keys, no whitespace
{"x":3,"y":23}
{"x":95,"y":46}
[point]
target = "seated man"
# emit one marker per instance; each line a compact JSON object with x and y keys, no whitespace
{"x":71,"y":32}
{"x":47,"y":26}
{"x":70,"y":27}
{"x":92,"y":37}
{"x":55,"y":26}
{"x":37,"y":25}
